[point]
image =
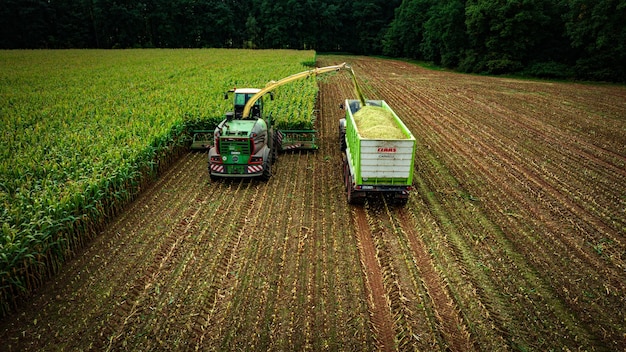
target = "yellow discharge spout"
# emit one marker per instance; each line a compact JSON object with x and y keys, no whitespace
{"x":273,"y":84}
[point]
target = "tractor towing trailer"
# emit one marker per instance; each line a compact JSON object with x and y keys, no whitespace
{"x":373,"y":164}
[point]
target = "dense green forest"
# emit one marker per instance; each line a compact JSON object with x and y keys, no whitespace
{"x":577,"y":39}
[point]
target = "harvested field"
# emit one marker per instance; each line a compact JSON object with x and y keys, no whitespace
{"x":514,"y":238}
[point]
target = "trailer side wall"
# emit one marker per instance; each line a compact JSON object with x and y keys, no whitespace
{"x":379,"y":161}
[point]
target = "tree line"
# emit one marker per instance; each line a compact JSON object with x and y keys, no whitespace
{"x":577,"y":39}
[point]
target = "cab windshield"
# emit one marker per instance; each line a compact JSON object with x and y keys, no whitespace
{"x":241,"y":99}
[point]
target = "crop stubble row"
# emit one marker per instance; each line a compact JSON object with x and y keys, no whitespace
{"x":505,"y":252}
{"x":395,"y":297}
{"x":480,"y":157}
{"x":193,"y":264}
{"x":409,"y":319}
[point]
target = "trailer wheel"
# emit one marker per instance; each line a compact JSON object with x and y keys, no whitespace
{"x":342,"y":134}
{"x":401,"y":201}
{"x":349,"y":196}
{"x":342,"y":141}
{"x":348,"y":183}
{"x":345,"y":171}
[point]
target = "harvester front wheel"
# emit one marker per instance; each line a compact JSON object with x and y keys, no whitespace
{"x":267,"y":169}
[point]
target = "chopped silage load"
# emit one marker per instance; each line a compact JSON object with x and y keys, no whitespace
{"x":374,"y":122}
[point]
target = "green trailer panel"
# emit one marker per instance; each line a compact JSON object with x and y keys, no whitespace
{"x":379,"y":162}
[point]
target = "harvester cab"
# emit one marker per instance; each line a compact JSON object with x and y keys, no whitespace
{"x":241,"y":97}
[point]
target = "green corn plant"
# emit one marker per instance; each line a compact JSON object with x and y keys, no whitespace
{"x":80,"y":140}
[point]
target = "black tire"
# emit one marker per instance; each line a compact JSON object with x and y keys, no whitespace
{"x":401,"y":201}
{"x":342,"y":141}
{"x":348,"y":183}
{"x":267,"y":169}
{"x":349,"y":195}
{"x":275,"y":147}
{"x":345,"y":170}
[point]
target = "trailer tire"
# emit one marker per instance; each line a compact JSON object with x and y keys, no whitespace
{"x":345,"y":170}
{"x":349,"y":193}
{"x":348,"y":183}
{"x":401,"y":201}
{"x":342,"y":134}
{"x":342,"y":142}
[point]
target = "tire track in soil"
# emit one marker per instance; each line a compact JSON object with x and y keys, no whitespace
{"x":507,"y":245}
{"x":388,"y":255}
{"x":340,"y":238}
{"x":132,"y":306}
{"x":227,"y":259}
{"x":380,"y":313}
{"x":450,"y":323}
{"x":570,"y":242}
{"x":460,"y":250}
{"x":95,"y":291}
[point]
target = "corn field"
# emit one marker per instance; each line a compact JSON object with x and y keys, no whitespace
{"x":84,"y":131}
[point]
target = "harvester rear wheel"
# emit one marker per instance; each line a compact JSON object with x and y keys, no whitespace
{"x":273,"y":145}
